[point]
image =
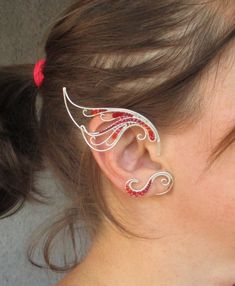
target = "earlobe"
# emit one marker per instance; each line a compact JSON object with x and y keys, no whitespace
{"x":118,"y":122}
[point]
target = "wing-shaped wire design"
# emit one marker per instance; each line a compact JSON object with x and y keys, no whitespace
{"x":121,"y":119}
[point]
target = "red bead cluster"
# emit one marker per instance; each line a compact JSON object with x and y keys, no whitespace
{"x":136,"y":193}
{"x":123,"y":114}
{"x":124,"y":118}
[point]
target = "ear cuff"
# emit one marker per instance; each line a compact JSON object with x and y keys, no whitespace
{"x":120,"y":120}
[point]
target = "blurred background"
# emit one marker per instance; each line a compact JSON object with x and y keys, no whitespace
{"x":23,"y":25}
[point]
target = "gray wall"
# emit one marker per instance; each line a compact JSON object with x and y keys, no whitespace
{"x":22,"y":27}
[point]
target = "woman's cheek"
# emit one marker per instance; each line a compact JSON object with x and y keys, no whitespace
{"x":210,"y":203}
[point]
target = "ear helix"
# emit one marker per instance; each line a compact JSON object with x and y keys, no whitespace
{"x":121,"y":119}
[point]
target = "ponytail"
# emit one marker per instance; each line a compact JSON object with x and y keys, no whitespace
{"x":20,"y":155}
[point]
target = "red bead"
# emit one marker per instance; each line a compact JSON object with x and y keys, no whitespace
{"x":151,"y":135}
{"x":94,"y":111}
{"x":117,"y":114}
{"x":114,"y":136}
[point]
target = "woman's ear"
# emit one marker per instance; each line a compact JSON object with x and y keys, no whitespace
{"x":130,"y":158}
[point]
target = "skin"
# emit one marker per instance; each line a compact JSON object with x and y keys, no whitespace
{"x":194,"y":224}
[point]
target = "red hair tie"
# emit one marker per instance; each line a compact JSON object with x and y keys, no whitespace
{"x":38,"y":72}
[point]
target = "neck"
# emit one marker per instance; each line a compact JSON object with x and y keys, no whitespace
{"x":170,"y":260}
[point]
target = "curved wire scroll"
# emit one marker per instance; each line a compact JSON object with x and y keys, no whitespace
{"x":166,"y":181}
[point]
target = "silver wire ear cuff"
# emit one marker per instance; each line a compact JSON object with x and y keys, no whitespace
{"x":120,"y":120}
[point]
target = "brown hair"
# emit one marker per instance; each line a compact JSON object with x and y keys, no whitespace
{"x":147,"y":56}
